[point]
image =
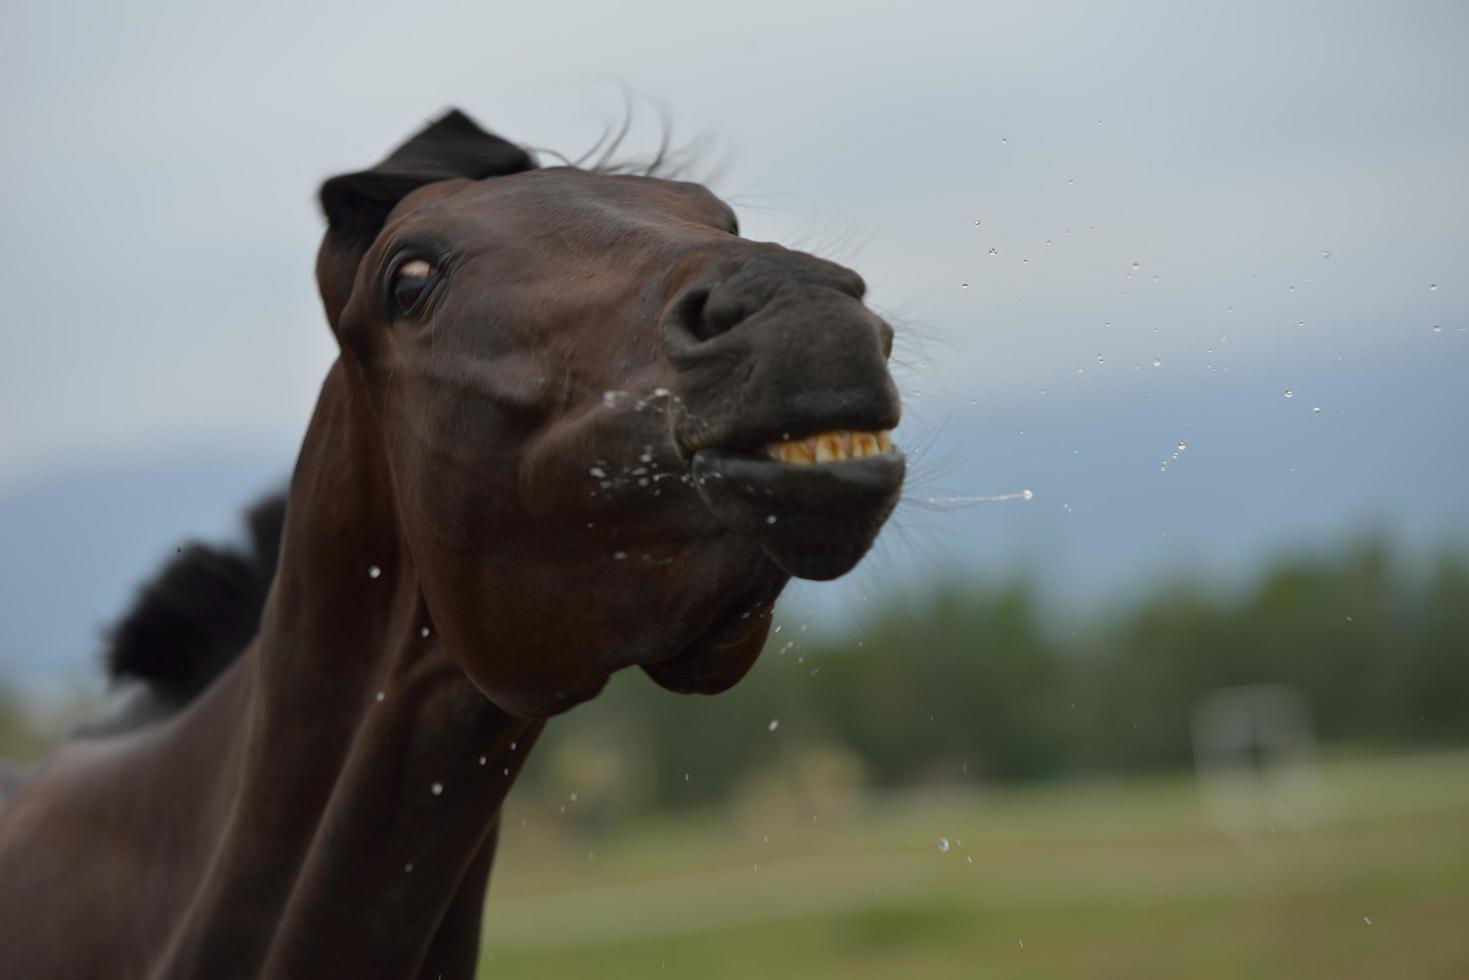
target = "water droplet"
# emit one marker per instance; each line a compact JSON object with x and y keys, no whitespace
{"x":619,"y":555}
{"x":1182,"y":445}
{"x":1136,"y":266}
{"x":645,"y":458}
{"x":483,"y":760}
{"x":598,"y":472}
{"x":408,"y":868}
{"x":1438,"y":328}
{"x":1099,"y":359}
{"x":771,"y":519}
{"x":381,"y":695}
{"x":976,"y":222}
{"x":1316,"y":410}
{"x":964,"y":285}
{"x":1325,"y":254}
{"x":1157,"y":362}
{"x":1027,"y":494}
{"x":436,"y":788}
{"x":1432,"y":286}
{"x":1289,"y":393}
{"x":943,"y":845}
{"x":1367,"y":919}
{"x":423,"y":632}
{"x":1004,"y":139}
{"x":774,"y":724}
{"x":373,"y":571}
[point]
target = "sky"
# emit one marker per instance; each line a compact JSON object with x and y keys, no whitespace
{"x":1105,"y":231}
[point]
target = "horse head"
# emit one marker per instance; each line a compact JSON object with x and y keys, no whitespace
{"x":612,"y":428}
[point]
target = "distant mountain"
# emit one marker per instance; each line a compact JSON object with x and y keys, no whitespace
{"x":74,"y":545}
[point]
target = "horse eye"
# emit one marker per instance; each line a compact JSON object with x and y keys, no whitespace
{"x":410,"y":281}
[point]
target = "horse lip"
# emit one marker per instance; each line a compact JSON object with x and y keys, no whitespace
{"x":811,"y":413}
{"x":814,"y":521}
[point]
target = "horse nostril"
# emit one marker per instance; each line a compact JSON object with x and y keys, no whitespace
{"x":707,"y":312}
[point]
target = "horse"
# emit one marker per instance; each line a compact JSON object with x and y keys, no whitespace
{"x":576,"y":423}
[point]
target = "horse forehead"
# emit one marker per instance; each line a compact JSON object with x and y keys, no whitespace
{"x":571,"y":195}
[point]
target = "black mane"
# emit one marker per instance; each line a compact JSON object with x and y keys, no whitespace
{"x":192,"y":619}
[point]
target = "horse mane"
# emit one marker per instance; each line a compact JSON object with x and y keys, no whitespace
{"x":199,"y":612}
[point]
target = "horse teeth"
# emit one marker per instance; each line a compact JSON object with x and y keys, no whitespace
{"x":830,"y":447}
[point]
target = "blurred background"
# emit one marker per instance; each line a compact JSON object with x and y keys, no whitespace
{"x":1193,"y":276}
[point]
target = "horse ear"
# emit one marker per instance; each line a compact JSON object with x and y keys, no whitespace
{"x":357,"y":204}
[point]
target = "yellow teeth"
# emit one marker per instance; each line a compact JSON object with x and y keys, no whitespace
{"x":828,"y":447}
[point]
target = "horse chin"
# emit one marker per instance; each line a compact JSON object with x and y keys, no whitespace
{"x":707,"y":666}
{"x":724,"y":653}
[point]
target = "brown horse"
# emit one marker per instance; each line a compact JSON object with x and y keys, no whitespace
{"x":577,"y":423}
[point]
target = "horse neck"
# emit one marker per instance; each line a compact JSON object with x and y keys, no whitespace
{"x":372,"y":771}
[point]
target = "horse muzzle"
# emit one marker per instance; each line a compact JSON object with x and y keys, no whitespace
{"x":786,"y":408}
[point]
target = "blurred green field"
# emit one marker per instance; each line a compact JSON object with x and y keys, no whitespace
{"x":1366,"y":875}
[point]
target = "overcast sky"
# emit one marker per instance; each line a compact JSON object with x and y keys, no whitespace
{"x":1256,"y":196}
{"x":157,"y":225}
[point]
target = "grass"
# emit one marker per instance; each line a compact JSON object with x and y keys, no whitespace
{"x":1130,"y":879}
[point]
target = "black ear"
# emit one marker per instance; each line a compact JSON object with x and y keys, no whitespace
{"x":357,"y":205}
{"x":452,"y":146}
